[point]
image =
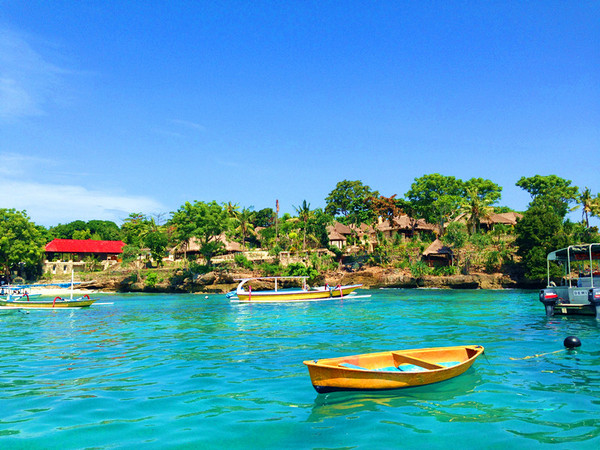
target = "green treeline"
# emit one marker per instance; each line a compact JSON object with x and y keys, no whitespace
{"x":437,"y":199}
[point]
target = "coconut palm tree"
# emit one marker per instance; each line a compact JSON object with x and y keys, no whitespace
{"x":476,"y":208}
{"x":304,"y":214}
{"x":586,"y":202}
{"x":245,"y":227}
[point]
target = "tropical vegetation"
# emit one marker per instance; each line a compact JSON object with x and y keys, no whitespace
{"x":456,"y":209}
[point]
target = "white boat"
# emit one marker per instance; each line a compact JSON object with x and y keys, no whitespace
{"x":578,"y":291}
{"x":9,"y":292}
{"x":245,"y":292}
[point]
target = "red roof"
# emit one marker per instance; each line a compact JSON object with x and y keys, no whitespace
{"x":84,"y":246}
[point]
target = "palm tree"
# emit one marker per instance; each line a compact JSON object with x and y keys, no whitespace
{"x":587,"y":205}
{"x":245,"y":227}
{"x":304,"y":214}
{"x":232,"y":209}
{"x":476,"y":208}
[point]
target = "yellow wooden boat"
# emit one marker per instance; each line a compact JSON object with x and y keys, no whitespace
{"x":392,"y":369}
{"x":245,"y":293}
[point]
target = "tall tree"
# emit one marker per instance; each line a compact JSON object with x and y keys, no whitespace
{"x":349,"y":199}
{"x":243,"y":224}
{"x":556,"y":192}
{"x":133,"y":228}
{"x":155,"y":239}
{"x":436,"y":198}
{"x":386,"y":207}
{"x":478,"y":196}
{"x":539,"y":232}
{"x":590,"y":206}
{"x":304,"y":214}
{"x":264,"y":218}
{"x":21,"y":241}
{"x":204,"y":221}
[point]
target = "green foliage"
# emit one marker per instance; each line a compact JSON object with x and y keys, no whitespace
{"x":538,"y":233}
{"x":456,"y":235}
{"x":264,"y":218}
{"x":243,"y":226}
{"x":21,"y":242}
{"x":436,"y":198}
{"x":487,"y":191}
{"x":349,"y":200}
{"x":551,"y":190}
{"x":130,"y":254}
{"x":418,"y":269}
{"x":156,"y":241}
{"x":271,"y":270}
{"x":92,"y":264}
{"x":481,"y":240}
{"x":203,"y":221}
{"x":94,"y":229}
{"x":445,"y":271}
{"x":241,"y":261}
{"x":195,"y":268}
{"x":300,"y":270}
{"x":151,"y":279}
{"x":275,"y":250}
{"x":493,"y":261}
{"x":133,"y":229}
{"x":82,"y":234}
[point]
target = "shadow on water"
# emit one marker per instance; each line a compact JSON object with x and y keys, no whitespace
{"x":412,"y":400}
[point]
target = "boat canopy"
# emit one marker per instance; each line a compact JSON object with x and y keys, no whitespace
{"x":582,"y":257}
{"x":243,"y":281}
{"x":576,"y":252}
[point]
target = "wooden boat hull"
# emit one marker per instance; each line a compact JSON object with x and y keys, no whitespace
{"x":296,"y":295}
{"x":45,"y":304}
{"x":391,"y":370}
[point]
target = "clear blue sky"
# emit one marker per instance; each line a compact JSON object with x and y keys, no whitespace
{"x":108,"y":108}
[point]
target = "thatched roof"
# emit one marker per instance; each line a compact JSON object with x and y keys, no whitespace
{"x":339,"y":228}
{"x":508,"y":218}
{"x":405,"y":223}
{"x":335,"y":236}
{"x":437,"y":248}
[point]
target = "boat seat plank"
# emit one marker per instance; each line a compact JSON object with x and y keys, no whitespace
{"x":401,"y":368}
{"x":400,"y":358}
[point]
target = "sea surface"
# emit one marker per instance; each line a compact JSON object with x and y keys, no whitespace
{"x":190,"y":371}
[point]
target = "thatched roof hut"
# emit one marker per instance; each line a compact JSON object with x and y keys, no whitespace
{"x":438,"y":254}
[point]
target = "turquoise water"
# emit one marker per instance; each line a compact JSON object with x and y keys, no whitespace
{"x":182,"y":371}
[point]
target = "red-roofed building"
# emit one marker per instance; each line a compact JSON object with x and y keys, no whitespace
{"x":75,"y":252}
{"x":103,"y":249}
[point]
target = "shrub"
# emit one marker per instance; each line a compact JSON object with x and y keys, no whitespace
{"x":151,"y":279}
{"x":270,"y":270}
{"x":456,"y":235}
{"x":242,"y":261}
{"x":481,"y":240}
{"x":419,"y":269}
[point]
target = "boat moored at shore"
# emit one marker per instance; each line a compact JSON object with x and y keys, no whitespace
{"x":56,"y":303}
{"x":578,"y":291}
{"x":245,"y":293}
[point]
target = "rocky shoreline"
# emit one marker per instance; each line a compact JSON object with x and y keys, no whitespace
{"x":370,"y":278}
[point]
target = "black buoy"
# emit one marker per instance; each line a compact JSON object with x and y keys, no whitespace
{"x":572,"y":342}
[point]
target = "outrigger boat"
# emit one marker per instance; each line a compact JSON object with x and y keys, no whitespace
{"x":286,"y":295}
{"x":392,"y":369}
{"x":23,"y":300}
{"x":579,"y":289}
{"x":17,"y":292}
{"x":58,"y":302}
